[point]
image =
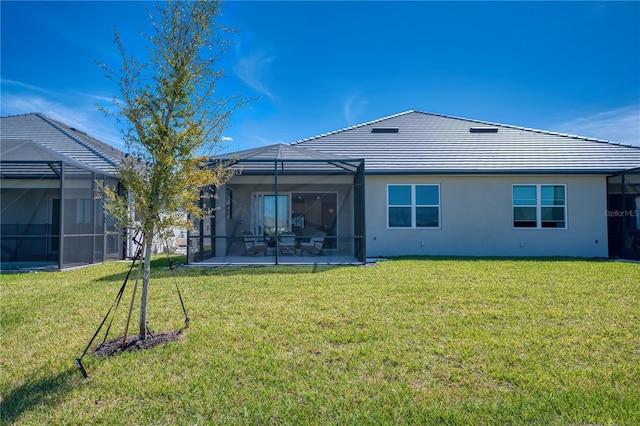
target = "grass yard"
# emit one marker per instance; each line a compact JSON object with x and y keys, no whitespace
{"x":410,"y":341}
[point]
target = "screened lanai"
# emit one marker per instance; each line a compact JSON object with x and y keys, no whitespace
{"x":51,"y":218}
{"x":284,"y":205}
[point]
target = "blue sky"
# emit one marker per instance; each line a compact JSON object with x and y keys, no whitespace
{"x":315,"y":67}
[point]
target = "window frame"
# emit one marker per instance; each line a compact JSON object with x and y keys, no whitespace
{"x":414,"y":206}
{"x":539,"y":206}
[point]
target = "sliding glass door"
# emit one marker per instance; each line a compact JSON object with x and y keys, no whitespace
{"x":307,"y":214}
{"x":271,"y":214}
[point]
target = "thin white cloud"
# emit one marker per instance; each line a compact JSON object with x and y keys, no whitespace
{"x":253,"y":69}
{"x":226,"y":139}
{"x":616,"y":125}
{"x":22,"y":85}
{"x":262,"y":141}
{"x":102,"y":99}
{"x":353,"y":108}
{"x":249,"y":141}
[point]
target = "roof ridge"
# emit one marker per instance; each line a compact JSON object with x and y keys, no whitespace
{"x":62,"y":127}
{"x":355,"y":126}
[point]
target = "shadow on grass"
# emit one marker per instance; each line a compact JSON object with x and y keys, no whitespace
{"x":160,"y":266}
{"x":160,"y":269}
{"x":45,"y":391}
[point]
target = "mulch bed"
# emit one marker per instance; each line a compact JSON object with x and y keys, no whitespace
{"x":133,"y":343}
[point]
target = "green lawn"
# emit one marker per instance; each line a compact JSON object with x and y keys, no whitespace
{"x":410,"y":341}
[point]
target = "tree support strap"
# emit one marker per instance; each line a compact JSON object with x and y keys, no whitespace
{"x":175,"y":281}
{"x":116,"y":303}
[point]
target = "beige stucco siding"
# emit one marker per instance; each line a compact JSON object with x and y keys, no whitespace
{"x":477,"y":218}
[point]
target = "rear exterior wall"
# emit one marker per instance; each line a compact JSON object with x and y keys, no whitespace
{"x":476,"y":218}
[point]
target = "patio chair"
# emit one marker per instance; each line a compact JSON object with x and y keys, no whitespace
{"x":252,"y":245}
{"x":288,"y":243}
{"x":313,"y":247}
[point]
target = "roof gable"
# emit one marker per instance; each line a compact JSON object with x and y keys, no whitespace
{"x":418,"y":142}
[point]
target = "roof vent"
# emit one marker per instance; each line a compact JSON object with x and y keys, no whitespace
{"x":77,"y":131}
{"x":483,"y":130}
{"x":384,"y":130}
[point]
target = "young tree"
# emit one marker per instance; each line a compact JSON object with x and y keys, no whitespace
{"x":171,"y":119}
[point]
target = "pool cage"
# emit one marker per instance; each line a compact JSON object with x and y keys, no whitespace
{"x":51,"y":218}
{"x":284,"y":205}
{"x":623,"y":214}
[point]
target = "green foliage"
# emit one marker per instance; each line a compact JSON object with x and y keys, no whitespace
{"x":173,"y":119}
{"x":172,"y":116}
{"x":411,"y":341}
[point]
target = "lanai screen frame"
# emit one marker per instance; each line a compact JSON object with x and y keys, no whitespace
{"x":622,"y":217}
{"x":305,"y":167}
{"x":99,"y":233}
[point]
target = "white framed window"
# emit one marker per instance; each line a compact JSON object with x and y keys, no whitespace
{"x":539,"y":206}
{"x":413,"y":206}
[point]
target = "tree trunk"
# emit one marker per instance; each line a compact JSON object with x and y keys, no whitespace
{"x":146,"y":272}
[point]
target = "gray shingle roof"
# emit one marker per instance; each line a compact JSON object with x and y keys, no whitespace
{"x":22,"y":158}
{"x":291,"y":159}
{"x":283,"y":152}
{"x":432,"y":143}
{"x":61,"y":138}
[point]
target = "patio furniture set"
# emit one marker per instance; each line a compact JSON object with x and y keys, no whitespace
{"x":289,"y":245}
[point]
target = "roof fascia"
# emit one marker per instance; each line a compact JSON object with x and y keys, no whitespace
{"x":69,"y":162}
{"x":273,"y":160}
{"x":492,"y":172}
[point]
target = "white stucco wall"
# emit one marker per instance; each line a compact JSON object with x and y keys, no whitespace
{"x":477,"y":219}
